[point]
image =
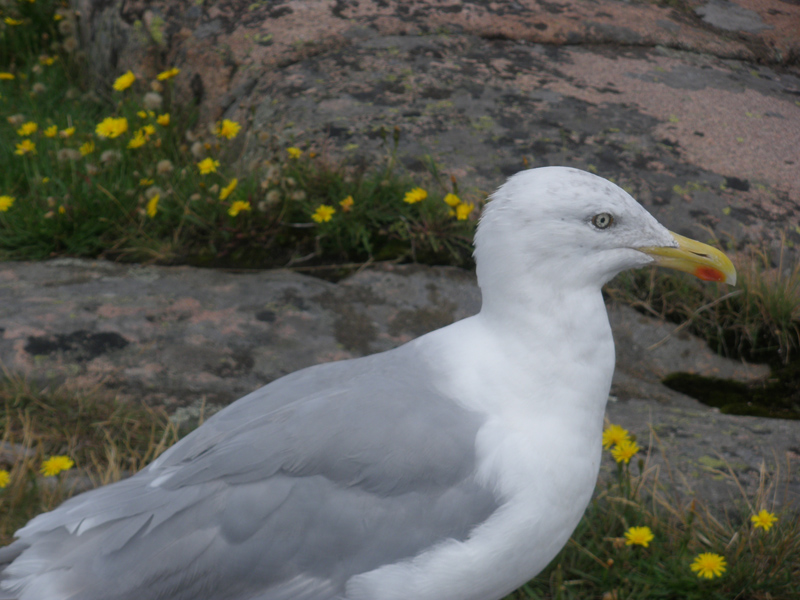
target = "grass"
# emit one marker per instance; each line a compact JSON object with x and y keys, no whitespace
{"x":123,"y":172}
{"x":109,"y":440}
{"x":597,"y":563}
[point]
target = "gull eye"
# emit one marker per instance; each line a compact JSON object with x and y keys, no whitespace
{"x":602,"y":221}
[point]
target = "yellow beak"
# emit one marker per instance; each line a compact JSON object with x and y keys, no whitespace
{"x":701,"y":260}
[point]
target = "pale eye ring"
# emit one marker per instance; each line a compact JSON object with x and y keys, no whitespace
{"x":603,"y":220}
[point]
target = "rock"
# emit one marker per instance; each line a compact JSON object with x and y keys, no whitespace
{"x":649,"y":95}
{"x":195,"y":340}
{"x":731,"y":16}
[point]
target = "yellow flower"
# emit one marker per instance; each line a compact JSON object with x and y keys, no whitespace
{"x":111,"y":127}
{"x":46,"y":60}
{"x":25,"y":147}
{"x":45,"y":179}
{"x":709,"y":565}
{"x":27,"y":129}
{"x":87,"y":148}
{"x":55,"y":464}
{"x":144,"y":182}
{"x":6,"y":202}
{"x":463,"y":210}
{"x":452,"y":200}
{"x":65,"y":133}
{"x":415,"y":195}
{"x":294,"y":152}
{"x":163,"y":120}
{"x":207,"y":165}
{"x":226,"y":191}
{"x":323,"y":214}
{"x":125,"y":81}
{"x":168,"y":74}
{"x":61,"y":209}
{"x":228,"y":129}
{"x":638,"y":536}
{"x":152,"y":206}
{"x":51,"y":131}
{"x":6,"y":76}
{"x":764,"y":519}
{"x":138,"y":140}
{"x":57,"y":17}
{"x":613,"y":435}
{"x":142,"y":114}
{"x":149,"y":130}
{"x":347,"y":204}
{"x":238,"y":207}
{"x":5,"y":478}
{"x":12,"y":22}
{"x":624,"y":451}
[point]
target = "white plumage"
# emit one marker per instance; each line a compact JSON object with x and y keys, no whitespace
{"x":455,"y":466}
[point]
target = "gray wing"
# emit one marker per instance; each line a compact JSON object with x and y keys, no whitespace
{"x":323,"y":474}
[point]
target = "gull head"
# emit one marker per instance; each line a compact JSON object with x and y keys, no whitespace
{"x":566,"y":228}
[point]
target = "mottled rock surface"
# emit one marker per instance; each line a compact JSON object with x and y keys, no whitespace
{"x":694,"y":106}
{"x":194,"y":340}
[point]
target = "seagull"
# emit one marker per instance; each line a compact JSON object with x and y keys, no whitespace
{"x":454,"y":466}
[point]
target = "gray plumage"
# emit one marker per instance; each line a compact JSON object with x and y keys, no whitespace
{"x":241,"y":507}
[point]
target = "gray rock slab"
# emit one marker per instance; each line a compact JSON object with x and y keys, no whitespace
{"x":731,"y":16}
{"x":194,"y":340}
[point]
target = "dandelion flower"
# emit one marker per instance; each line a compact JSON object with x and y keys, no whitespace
{"x":238,"y":207}
{"x":613,"y":435}
{"x":168,"y":74}
{"x":207,"y":165}
{"x":463,"y":210}
{"x":347,"y":204}
{"x":12,"y":22}
{"x":638,"y":536}
{"x":51,"y":131}
{"x":226,"y":191}
{"x":452,"y":200}
{"x":323,"y":214}
{"x":111,"y":127}
{"x":6,"y":76}
{"x":144,"y":182}
{"x":709,"y":565}
{"x":87,"y":148}
{"x":152,"y":206}
{"x":227,"y":129}
{"x":27,"y":129}
{"x":5,"y":478}
{"x":65,"y":133}
{"x":294,"y":152}
{"x":55,"y":464}
{"x":125,"y":81}
{"x":415,"y":195}
{"x":764,"y":520}
{"x":138,"y":140}
{"x":624,"y":451}
{"x":25,"y":147}
{"x":163,"y":120}
{"x":6,"y":202}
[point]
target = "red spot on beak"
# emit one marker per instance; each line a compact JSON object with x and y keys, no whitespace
{"x":709,"y":274}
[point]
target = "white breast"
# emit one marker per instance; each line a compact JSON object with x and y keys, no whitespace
{"x":539,"y":451}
